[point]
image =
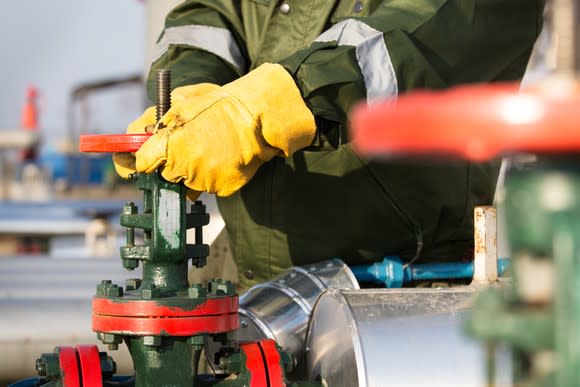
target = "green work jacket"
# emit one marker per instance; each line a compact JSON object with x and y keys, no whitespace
{"x":326,"y":201}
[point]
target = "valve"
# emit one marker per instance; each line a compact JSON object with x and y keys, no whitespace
{"x":161,"y":318}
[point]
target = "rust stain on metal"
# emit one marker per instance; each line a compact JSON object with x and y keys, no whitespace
{"x":485,"y":244}
{"x":479,"y":236}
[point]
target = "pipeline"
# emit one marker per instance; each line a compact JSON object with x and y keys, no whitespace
{"x":392,"y":273}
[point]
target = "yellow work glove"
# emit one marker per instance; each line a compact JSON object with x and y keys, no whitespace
{"x":124,"y":162}
{"x":217,"y":141}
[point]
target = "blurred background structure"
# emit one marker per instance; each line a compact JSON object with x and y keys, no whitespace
{"x":72,"y":67}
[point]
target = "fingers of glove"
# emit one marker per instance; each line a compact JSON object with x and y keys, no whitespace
{"x":146,"y":123}
{"x":217,"y":152}
{"x":189,"y":102}
{"x":152,"y":153}
{"x":124,"y":164}
{"x":185,"y":109}
{"x":143,"y":124}
{"x":183,"y":93}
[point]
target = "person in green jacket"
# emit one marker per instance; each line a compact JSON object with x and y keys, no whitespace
{"x":259,"y":116}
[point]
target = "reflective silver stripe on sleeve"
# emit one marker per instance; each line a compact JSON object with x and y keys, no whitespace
{"x":218,"y":41}
{"x":371,"y":53}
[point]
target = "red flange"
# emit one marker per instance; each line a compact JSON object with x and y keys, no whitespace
{"x":264,"y":363}
{"x":172,"y":326}
{"x":153,"y":308}
{"x":255,"y":365}
{"x":112,"y":142}
{"x":67,"y":358}
{"x":150,"y":317}
{"x":90,"y":365}
{"x":273,"y":363}
{"x":475,"y":122}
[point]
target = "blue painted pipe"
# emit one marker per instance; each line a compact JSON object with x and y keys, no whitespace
{"x":394,"y":274}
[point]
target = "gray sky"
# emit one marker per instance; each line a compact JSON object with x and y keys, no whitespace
{"x":56,"y":45}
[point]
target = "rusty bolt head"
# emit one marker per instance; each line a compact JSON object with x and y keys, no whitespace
{"x":108,"y":338}
{"x":228,"y":288}
{"x":196,"y":291}
{"x":130,"y":264}
{"x":219,"y":286}
{"x":114,"y":291}
{"x":152,"y":341}
{"x":108,"y":365}
{"x":107,"y":289}
{"x":129,"y":208}
{"x":132,"y":284}
{"x":149,"y":292}
{"x":48,"y":365}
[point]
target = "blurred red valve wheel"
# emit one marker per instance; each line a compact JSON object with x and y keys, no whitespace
{"x":474,"y":122}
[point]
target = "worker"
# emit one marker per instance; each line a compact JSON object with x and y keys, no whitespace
{"x":259,"y":116}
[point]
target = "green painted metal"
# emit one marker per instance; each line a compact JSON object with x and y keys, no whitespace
{"x":538,"y":315}
{"x":163,"y":255}
{"x":162,"y":360}
{"x":168,"y":361}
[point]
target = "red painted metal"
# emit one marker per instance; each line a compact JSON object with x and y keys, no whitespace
{"x":112,"y":142}
{"x":90,"y":365}
{"x":273,"y":363}
{"x":255,"y":364}
{"x":476,"y":122}
{"x":173,"y":326}
{"x":29,"y":116}
{"x":68,"y":361}
{"x":153,"y":309}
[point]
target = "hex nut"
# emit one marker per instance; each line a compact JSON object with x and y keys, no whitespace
{"x":132,"y":283}
{"x":150,"y":292}
{"x":48,"y":365}
{"x":152,"y":341}
{"x":196,"y":291}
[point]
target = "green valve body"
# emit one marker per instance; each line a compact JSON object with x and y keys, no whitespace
{"x":538,"y":315}
{"x":160,"y":317}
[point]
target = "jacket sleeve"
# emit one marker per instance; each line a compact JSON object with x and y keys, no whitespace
{"x":202,"y":41}
{"x":410,"y":44}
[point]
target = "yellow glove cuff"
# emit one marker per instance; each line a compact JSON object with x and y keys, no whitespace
{"x":270,"y":93}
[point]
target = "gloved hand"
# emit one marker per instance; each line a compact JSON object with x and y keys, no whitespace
{"x":216,"y":142}
{"x":124,"y":162}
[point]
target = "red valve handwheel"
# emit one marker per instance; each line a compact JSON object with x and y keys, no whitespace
{"x":264,"y":363}
{"x":475,"y":122}
{"x":90,"y":365}
{"x":273,"y":362}
{"x":255,"y":364}
{"x":112,"y":142}
{"x":68,"y":362}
